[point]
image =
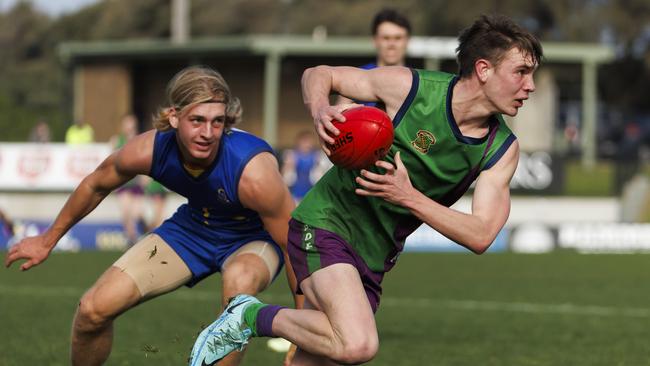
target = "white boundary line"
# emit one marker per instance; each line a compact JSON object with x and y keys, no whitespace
{"x":390,"y":302}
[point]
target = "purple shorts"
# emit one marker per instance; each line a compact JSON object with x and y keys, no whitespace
{"x":133,"y":189}
{"x":311,"y":249}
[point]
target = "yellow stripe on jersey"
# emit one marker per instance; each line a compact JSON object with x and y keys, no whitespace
{"x":195,"y":172}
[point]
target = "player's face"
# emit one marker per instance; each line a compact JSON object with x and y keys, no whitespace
{"x":511,"y":81}
{"x":199,"y":131}
{"x":391,"y":41}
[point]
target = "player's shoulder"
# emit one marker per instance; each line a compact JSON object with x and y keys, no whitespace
{"x":240,"y":136}
{"x":244,"y":144}
{"x":260,"y":178}
{"x":137,"y":154}
{"x":503,"y":130}
{"x":434,"y":75}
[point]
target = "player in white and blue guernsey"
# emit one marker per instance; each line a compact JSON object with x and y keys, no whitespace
{"x":235,"y":220}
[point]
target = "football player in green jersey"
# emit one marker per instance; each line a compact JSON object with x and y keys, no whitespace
{"x":350,"y":228}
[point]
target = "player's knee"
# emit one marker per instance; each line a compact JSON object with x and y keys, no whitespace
{"x":243,"y":277}
{"x":358,"y":351}
{"x":92,"y":314}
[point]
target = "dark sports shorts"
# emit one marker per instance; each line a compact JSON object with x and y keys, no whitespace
{"x":311,"y":249}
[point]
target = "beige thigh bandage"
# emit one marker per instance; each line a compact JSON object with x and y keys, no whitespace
{"x":154,"y":266}
{"x":261,"y":249}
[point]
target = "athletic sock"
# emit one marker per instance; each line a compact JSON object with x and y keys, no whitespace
{"x":259,"y":318}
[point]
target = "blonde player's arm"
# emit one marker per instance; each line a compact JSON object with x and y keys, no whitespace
{"x":475,"y":230}
{"x":262,"y":189}
{"x":118,"y":168}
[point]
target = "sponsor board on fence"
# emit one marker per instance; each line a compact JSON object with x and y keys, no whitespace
{"x":48,"y":166}
{"x":425,"y":239}
{"x":605,"y":237}
{"x":83,"y":236}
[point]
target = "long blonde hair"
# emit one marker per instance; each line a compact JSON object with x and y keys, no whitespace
{"x":194,"y":85}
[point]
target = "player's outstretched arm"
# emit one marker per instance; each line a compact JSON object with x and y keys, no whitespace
{"x":391,"y":85}
{"x":134,"y":158}
{"x":262,"y":189}
{"x":475,"y":231}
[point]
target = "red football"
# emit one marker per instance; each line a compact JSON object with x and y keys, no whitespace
{"x":365,"y":137}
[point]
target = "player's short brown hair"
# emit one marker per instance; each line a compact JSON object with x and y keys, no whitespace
{"x":490,"y":38}
{"x":392,"y":16}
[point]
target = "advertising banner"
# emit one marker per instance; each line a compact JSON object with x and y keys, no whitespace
{"x":53,"y":167}
{"x":83,"y":236}
{"x":425,"y":239}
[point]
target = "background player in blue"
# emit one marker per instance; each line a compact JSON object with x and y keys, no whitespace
{"x":391,"y":32}
{"x":299,"y":164}
{"x":235,"y":220}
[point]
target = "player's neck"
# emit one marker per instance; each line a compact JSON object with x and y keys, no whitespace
{"x":470,"y":107}
{"x":470,"y":110}
{"x":194,"y":164}
{"x":381,"y":63}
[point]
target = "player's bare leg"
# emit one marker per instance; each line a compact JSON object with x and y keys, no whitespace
{"x":343,"y":328}
{"x":247,"y":271}
{"x":92,"y":328}
{"x":149,"y":269}
{"x":304,"y":358}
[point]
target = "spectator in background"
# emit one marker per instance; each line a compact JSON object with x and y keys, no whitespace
{"x":157,"y":195}
{"x":627,"y":166}
{"x":391,"y":32}
{"x":79,"y":133}
{"x":131,"y":195}
{"x":40,"y":133}
{"x":298,"y":164}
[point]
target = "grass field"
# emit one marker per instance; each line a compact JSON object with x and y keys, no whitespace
{"x":437,"y":309}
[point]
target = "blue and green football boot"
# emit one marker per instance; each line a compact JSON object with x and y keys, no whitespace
{"x":228,"y":333}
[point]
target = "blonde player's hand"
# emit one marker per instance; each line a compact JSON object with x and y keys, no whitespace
{"x":324,"y":126}
{"x":393,"y":186}
{"x":34,"y":250}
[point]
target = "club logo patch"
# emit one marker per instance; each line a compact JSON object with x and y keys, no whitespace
{"x":423,"y":141}
{"x":222,"y":196}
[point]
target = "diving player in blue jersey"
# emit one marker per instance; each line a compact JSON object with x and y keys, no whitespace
{"x":235,"y":221}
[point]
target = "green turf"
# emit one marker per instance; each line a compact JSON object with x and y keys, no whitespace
{"x":438,"y":309}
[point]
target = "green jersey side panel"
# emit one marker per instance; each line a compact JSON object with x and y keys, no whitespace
{"x":441,"y":162}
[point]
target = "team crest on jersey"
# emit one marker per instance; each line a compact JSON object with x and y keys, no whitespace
{"x":221,"y":196}
{"x":423,"y":141}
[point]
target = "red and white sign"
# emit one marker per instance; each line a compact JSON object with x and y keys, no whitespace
{"x":48,"y":166}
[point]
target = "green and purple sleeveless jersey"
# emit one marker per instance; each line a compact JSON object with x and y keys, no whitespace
{"x":442,"y":164}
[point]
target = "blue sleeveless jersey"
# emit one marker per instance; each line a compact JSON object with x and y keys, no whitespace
{"x":213,"y":223}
